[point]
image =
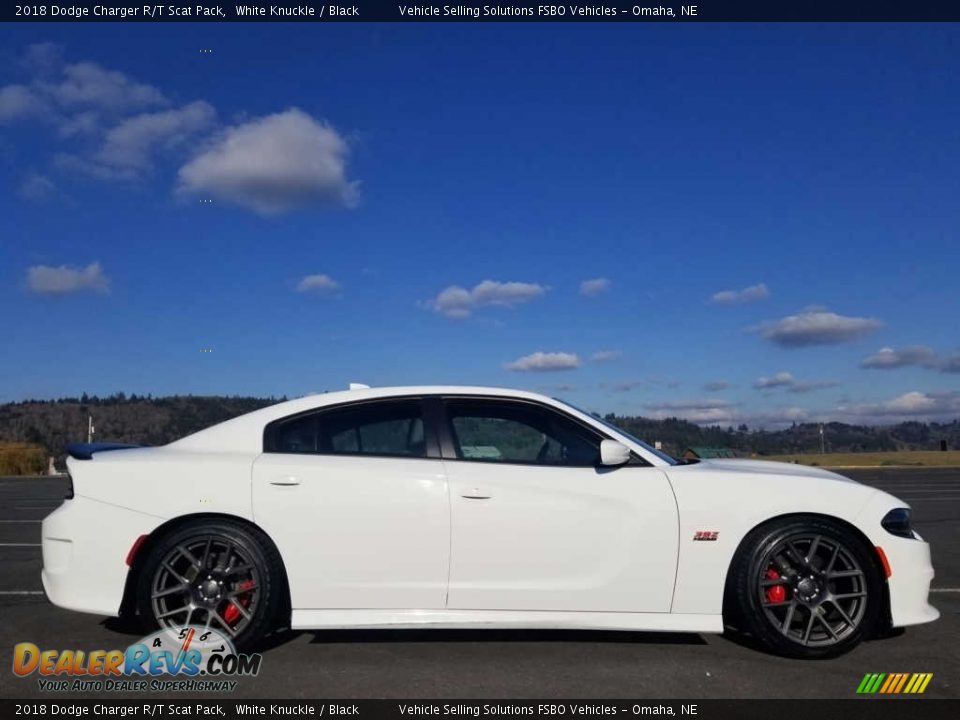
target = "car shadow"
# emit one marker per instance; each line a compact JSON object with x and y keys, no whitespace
{"x":123,"y":626}
{"x":385,"y":635}
{"x":130,"y":627}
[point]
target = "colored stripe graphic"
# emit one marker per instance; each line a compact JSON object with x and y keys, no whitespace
{"x":894,"y":683}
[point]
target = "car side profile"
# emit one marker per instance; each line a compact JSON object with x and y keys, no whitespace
{"x":447,"y":506}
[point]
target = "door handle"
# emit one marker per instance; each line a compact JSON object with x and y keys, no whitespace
{"x":286,"y":481}
{"x":476,"y":494}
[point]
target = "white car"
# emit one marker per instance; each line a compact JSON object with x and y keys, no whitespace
{"x":475,"y":507}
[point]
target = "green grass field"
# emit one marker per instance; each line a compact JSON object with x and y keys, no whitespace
{"x":920,"y":458}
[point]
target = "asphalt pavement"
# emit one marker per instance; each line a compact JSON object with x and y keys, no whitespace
{"x":512,"y":664}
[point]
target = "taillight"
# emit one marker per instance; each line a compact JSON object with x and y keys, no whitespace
{"x":69,"y":495}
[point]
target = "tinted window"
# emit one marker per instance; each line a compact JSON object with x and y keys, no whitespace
{"x":387,"y":428}
{"x":502,"y":431}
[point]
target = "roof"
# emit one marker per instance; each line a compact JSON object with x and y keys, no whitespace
{"x":246,"y":431}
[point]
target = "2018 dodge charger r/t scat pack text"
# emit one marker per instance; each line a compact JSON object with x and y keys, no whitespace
{"x":475,"y":507}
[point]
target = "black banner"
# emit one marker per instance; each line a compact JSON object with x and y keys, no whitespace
{"x":784,"y":709}
{"x":401,"y":10}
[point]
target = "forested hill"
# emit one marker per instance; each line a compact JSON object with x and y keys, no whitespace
{"x":155,"y":421}
{"x":133,"y":419}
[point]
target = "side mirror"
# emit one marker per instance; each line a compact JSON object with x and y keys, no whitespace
{"x":614,"y":453}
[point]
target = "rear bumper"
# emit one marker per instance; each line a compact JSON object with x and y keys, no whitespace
{"x":85,"y":544}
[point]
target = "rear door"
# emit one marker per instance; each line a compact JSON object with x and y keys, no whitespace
{"x":355,"y":498}
{"x":539,"y":525}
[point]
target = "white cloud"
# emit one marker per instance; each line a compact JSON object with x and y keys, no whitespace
{"x":788,"y":381}
{"x":816,"y":326}
{"x":545,"y":362}
{"x":87,"y":84}
{"x":702,"y":412}
{"x":888,"y":358}
{"x":61,"y":93}
{"x":458,"y":302}
{"x":594,"y":286}
{"x":17,"y":101}
{"x":914,"y":405}
{"x":42,"y":58}
{"x":606,"y":355}
{"x":127,"y":148}
{"x":274,"y":164}
{"x":747,"y":294}
{"x":781,"y":379}
{"x":36,"y":186}
{"x":317,"y":283}
{"x":64,"y":279}
{"x":951,"y":364}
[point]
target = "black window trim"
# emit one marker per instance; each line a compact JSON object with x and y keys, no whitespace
{"x":448,"y":447}
{"x":430,"y":424}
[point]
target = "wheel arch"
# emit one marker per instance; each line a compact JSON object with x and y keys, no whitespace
{"x":129,"y":602}
{"x":729,"y":606}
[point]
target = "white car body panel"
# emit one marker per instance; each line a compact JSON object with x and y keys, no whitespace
{"x":715,"y":496}
{"x":556,"y":538}
{"x":370,"y":541}
{"x":368,"y":534}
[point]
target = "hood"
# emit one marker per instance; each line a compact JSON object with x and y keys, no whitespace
{"x":767,"y":467}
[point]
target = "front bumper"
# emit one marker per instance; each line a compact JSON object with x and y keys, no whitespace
{"x":911,"y":570}
{"x":909,"y":581}
{"x":85,"y":545}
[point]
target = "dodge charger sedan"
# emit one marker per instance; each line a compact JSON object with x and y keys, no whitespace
{"x":475,"y":507}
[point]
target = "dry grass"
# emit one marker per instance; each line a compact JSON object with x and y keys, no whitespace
{"x":918,"y":458}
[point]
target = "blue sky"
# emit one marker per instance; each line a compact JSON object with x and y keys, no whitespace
{"x":768,"y":213}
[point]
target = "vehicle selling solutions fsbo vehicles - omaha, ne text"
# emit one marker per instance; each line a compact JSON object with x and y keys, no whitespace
{"x":475,"y":507}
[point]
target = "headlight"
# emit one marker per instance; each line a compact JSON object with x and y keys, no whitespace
{"x":897,"y":522}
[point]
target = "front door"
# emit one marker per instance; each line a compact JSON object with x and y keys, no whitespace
{"x":538,"y":525}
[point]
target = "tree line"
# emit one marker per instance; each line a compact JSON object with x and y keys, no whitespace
{"x":51,"y":424}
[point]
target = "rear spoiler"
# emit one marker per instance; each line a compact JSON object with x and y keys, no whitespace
{"x":85,"y":451}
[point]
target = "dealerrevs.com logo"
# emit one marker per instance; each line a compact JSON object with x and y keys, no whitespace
{"x":186,"y":659}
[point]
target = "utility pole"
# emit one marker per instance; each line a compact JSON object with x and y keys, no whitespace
{"x":823,"y":449}
{"x":90,"y":429}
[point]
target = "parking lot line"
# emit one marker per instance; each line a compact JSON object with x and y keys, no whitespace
{"x":20,"y":521}
{"x":20,"y":544}
{"x":21,"y":592}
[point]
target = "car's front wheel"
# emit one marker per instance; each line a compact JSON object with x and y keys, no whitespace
{"x":806,"y":587}
{"x":212,"y":573}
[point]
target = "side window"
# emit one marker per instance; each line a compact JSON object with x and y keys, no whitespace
{"x":510,"y":432}
{"x":393,"y":428}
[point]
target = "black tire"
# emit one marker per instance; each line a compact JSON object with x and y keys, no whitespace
{"x":233,"y":580}
{"x":806,"y":587}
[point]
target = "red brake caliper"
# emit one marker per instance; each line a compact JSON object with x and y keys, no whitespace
{"x":775,"y":593}
{"x":231,"y":613}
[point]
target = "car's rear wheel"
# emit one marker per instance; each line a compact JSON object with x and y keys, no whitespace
{"x":806,"y":587}
{"x":216,"y":574}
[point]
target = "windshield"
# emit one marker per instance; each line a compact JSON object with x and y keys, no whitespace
{"x":659,"y":453}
